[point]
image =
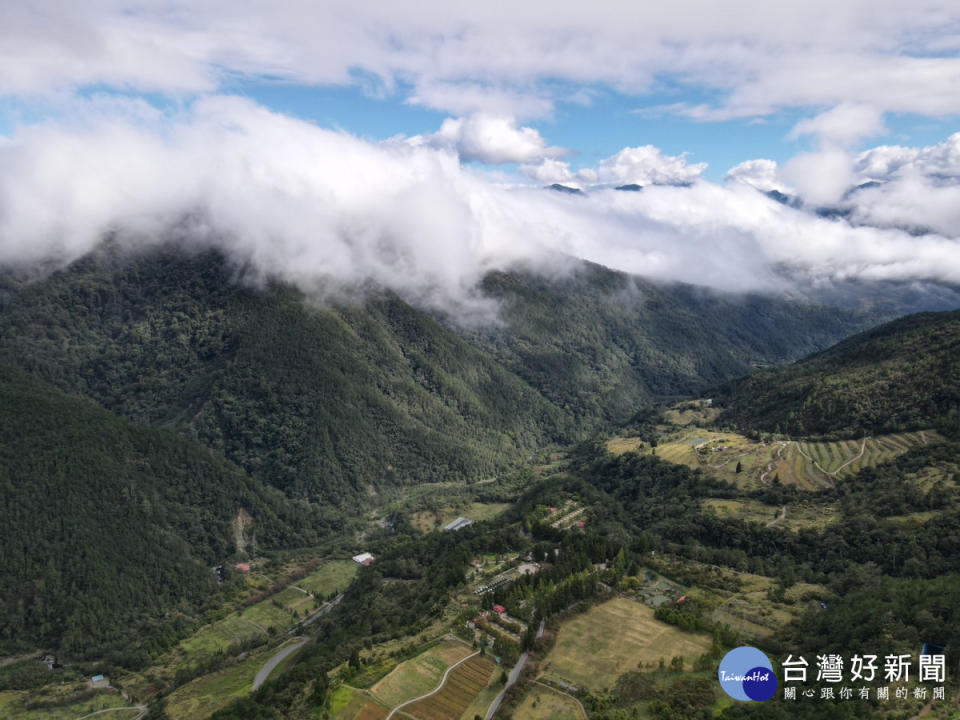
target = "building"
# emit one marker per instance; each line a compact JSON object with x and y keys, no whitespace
{"x":458,"y":524}
{"x":364,"y":559}
{"x":499,"y":609}
{"x":243,"y":567}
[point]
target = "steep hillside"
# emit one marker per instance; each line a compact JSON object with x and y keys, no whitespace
{"x":333,"y":402}
{"x":108,"y":524}
{"x":601,"y":344}
{"x":327,"y":402}
{"x":903,"y":375}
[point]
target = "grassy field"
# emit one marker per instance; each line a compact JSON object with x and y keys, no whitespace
{"x":349,"y":703}
{"x":331,"y":577}
{"x":798,"y":515}
{"x":420,"y":674}
{"x":594,"y":648}
{"x":543,"y":703}
{"x":694,"y":412}
{"x":202,"y":697}
{"x":429,"y":520}
{"x":67,"y":700}
{"x":620,"y":445}
{"x":458,"y":693}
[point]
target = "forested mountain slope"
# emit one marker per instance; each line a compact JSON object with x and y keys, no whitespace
{"x":334,"y":401}
{"x":600,"y":343}
{"x":108,"y":524}
{"x":325,"y":402}
{"x":903,"y":375}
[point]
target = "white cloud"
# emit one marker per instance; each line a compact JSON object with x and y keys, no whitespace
{"x":884,"y":162}
{"x":822,"y":177}
{"x":490,"y":139}
{"x":331,"y":212}
{"x":548,"y":171}
{"x":502,"y":57}
{"x":646,"y":165}
{"x":760,"y":174}
{"x":842,"y":125}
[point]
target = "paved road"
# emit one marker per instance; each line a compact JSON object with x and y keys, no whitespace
{"x":272,"y":663}
{"x":324,"y":610}
{"x":435,"y":690}
{"x":141,"y":708}
{"x":512,"y":677}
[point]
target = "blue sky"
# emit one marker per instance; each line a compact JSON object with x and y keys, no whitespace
{"x":594,"y":131}
{"x":722,"y":87}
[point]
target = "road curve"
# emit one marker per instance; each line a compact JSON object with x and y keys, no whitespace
{"x":277,"y":658}
{"x":437,"y":689}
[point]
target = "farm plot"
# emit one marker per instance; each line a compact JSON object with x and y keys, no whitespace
{"x":595,"y":648}
{"x":330,"y":578}
{"x":202,"y":697}
{"x":252,"y":622}
{"x":463,"y":685}
{"x":420,"y":674}
{"x":348,"y":703}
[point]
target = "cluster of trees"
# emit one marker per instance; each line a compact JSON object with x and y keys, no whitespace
{"x":108,"y":524}
{"x":600,"y":343}
{"x":904,"y":375}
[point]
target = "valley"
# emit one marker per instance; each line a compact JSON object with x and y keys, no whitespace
{"x":390,"y":536}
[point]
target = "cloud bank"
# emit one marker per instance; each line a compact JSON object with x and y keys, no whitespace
{"x":329,"y":211}
{"x":749,"y":57}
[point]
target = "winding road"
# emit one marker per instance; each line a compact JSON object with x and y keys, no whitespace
{"x":278,"y":657}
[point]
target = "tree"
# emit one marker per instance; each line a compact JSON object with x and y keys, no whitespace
{"x":739,"y":466}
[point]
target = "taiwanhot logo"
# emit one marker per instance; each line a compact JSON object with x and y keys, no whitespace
{"x":746,"y":674}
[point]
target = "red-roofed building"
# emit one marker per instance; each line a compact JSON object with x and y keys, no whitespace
{"x":499,"y":609}
{"x":243,"y":567}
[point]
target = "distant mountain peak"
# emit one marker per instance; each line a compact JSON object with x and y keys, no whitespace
{"x":565,"y":189}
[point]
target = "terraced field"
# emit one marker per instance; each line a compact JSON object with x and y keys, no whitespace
{"x":807,"y":464}
{"x":458,"y":692}
{"x":820,"y":464}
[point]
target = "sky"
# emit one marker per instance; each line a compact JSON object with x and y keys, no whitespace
{"x":407,"y":144}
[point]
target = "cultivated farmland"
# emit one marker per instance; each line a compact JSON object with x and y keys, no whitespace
{"x":807,"y":464}
{"x":594,"y":648}
{"x":420,"y":674}
{"x":331,"y":577}
{"x":463,"y":685}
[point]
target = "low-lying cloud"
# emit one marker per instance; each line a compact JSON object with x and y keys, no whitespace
{"x":329,"y":211}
